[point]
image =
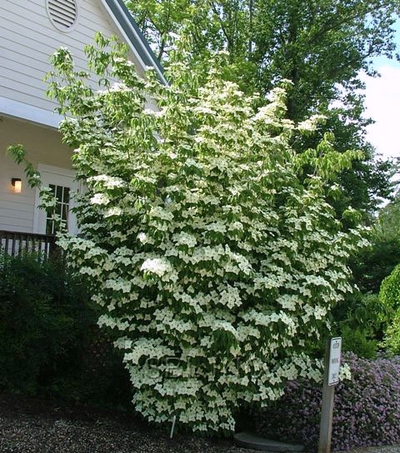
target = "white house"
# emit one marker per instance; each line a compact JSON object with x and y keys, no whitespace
{"x":30,"y":31}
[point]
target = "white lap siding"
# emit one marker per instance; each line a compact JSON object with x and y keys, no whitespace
{"x":28,"y":38}
{"x":43,"y":146}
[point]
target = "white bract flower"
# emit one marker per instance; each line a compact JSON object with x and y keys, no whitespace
{"x":100,"y":199}
{"x":157,"y":266}
{"x":143,"y":238}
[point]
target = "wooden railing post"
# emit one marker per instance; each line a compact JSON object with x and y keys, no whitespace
{"x":15,"y":243}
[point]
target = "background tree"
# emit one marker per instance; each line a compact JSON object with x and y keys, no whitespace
{"x":388,"y":225}
{"x":321,"y":46}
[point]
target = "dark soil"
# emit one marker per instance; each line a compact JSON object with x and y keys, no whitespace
{"x":35,"y":425}
{"x":30,"y":424}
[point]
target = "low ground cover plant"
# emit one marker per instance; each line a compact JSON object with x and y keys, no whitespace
{"x":366,"y":408}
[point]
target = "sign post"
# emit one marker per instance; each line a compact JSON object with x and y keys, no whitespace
{"x":331,"y":378}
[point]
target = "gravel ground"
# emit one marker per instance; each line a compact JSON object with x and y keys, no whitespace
{"x":381,"y":449}
{"x":31,"y":425}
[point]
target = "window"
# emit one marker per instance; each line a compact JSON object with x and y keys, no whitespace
{"x":63,"y":186}
{"x":61,"y":194}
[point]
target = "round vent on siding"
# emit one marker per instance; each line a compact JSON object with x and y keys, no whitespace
{"x":63,"y":13}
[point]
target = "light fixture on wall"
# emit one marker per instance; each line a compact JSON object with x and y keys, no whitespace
{"x":17,"y":184}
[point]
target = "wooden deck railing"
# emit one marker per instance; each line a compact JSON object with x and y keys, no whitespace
{"x":15,"y":243}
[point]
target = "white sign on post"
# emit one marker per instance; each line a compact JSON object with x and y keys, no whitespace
{"x":334,"y":361}
{"x":331,"y":378}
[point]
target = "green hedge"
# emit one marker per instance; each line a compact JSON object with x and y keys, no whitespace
{"x":49,"y":341}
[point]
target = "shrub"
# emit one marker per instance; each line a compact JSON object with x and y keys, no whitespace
{"x":366,"y":408}
{"x":360,"y":320}
{"x":390,"y":297}
{"x":48,"y":334}
{"x":390,"y":290}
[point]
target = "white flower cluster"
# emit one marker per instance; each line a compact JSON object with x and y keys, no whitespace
{"x":100,"y":199}
{"x":157,"y":266}
{"x":185,"y":239}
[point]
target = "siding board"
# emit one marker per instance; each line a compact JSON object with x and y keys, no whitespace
{"x":34,"y":97}
{"x":40,"y":44}
{"x":20,"y":227}
{"x":43,"y":35}
{"x":19,"y":215}
{"x":28,"y":38}
{"x":42,"y":145}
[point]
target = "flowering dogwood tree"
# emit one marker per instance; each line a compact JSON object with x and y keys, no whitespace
{"x":206,"y":239}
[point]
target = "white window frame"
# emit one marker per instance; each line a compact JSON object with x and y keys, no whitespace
{"x":61,"y":177}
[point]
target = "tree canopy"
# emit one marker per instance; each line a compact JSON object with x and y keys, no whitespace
{"x":321,"y":46}
{"x":372,"y":265}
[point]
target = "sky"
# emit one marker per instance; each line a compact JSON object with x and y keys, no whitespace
{"x":383,"y":105}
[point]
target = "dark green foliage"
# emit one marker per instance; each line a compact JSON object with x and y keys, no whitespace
{"x":359,"y":341}
{"x":374,"y":264}
{"x":49,"y":341}
{"x":361,"y":320}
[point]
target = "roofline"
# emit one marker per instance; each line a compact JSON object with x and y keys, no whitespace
{"x":26,"y":112}
{"x":131,"y":32}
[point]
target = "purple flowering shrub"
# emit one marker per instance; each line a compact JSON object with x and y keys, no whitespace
{"x":366,"y":411}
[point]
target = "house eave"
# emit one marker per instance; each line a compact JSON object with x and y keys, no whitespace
{"x":133,"y":36}
{"x":26,"y":112}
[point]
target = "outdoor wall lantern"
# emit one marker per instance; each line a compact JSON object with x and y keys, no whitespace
{"x":17,"y":184}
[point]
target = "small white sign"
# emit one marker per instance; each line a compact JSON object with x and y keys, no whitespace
{"x":334,"y":360}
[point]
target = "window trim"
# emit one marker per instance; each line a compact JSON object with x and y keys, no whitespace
{"x":58,"y":176}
